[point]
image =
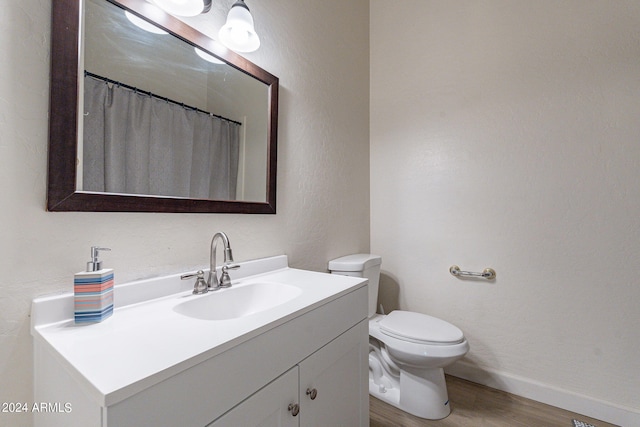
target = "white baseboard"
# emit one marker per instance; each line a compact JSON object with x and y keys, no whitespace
{"x":544,"y":393}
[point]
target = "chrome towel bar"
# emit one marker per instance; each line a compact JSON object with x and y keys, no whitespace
{"x":487,"y":273}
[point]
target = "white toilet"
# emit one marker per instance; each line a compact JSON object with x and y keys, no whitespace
{"x":407,"y":350}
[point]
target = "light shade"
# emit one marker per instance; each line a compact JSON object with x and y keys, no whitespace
{"x":184,"y":7}
{"x":210,"y":58}
{"x":238,"y":33}
{"x":141,"y":23}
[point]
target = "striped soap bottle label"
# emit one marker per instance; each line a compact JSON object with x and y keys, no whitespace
{"x":93,"y":296}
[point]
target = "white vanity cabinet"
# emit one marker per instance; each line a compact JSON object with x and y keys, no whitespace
{"x":272,"y":406}
{"x":337,"y":373}
{"x":148,"y":365}
{"x":325,"y":389}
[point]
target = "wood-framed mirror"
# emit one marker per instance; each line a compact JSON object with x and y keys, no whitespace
{"x":69,"y":168}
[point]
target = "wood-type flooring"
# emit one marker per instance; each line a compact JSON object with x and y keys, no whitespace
{"x":474,"y":405}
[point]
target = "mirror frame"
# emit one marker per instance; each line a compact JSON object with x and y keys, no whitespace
{"x":62,"y":194}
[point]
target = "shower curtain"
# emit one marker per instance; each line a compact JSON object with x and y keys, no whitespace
{"x":134,"y":143}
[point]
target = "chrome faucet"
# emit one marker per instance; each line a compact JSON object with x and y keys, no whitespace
{"x":213,"y":282}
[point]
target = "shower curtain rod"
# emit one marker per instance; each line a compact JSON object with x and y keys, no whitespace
{"x":144,"y":92}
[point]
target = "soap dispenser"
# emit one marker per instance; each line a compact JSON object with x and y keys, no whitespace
{"x":93,"y":291}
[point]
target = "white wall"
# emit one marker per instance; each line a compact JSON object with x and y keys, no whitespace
{"x":506,"y":134}
{"x":323,"y":139}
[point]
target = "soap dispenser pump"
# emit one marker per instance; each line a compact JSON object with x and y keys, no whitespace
{"x":93,"y":290}
{"x":95,"y":264}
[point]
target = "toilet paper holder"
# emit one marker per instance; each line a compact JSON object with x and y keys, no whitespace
{"x":487,"y":273}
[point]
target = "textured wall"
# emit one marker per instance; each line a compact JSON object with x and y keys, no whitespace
{"x":505,"y":134}
{"x":323,"y":170}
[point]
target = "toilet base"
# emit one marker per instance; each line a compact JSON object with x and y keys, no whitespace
{"x":422,"y":392}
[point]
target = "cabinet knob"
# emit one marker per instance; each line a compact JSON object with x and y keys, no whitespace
{"x":294,"y":408}
{"x":312,"y":393}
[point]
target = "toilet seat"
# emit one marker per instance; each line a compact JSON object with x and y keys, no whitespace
{"x":411,"y":353}
{"x":420,"y":328}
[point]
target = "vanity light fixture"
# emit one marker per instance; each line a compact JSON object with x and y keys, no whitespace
{"x":184,"y":7}
{"x":238,"y":33}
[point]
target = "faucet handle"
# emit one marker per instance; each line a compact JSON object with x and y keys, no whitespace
{"x":227,"y":267}
{"x":200,"y":287}
{"x":225,"y":280}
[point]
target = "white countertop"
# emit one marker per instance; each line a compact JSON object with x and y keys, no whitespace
{"x":146,"y":341}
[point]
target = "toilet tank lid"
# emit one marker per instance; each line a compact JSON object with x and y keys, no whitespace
{"x":355,"y":262}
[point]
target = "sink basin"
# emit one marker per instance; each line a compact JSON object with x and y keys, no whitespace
{"x":237,"y":302}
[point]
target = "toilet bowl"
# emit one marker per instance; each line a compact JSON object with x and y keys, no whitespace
{"x":407,"y":350}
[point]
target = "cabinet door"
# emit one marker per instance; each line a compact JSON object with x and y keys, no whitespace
{"x":334,"y":387}
{"x":268,"y":407}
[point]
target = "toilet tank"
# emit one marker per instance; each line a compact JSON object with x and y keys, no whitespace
{"x":361,"y":265}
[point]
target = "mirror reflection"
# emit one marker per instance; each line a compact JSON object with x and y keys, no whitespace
{"x":161,"y":118}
